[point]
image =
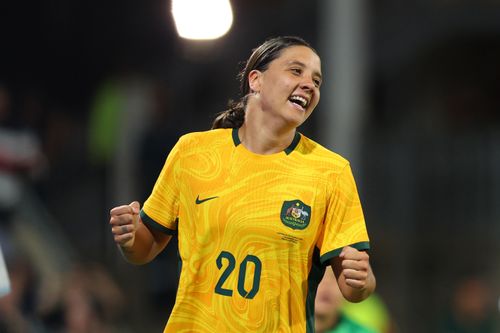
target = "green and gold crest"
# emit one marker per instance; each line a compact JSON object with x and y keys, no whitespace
{"x":295,"y":214}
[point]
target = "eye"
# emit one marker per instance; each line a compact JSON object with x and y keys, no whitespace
{"x":296,"y":70}
{"x":317,"y":82}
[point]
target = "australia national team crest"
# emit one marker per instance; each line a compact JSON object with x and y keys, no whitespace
{"x":295,"y":214}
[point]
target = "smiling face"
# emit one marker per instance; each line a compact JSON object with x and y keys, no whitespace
{"x":288,"y":90}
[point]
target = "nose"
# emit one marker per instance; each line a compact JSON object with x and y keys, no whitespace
{"x":307,"y":83}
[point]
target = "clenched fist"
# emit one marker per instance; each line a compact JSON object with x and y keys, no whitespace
{"x":124,"y":222}
{"x":354,"y":274}
{"x":355,"y":267}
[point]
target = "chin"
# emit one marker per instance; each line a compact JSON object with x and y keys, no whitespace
{"x":297,"y":120}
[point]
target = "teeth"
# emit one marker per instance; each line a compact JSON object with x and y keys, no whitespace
{"x":299,"y":100}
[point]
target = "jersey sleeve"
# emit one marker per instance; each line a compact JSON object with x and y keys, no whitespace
{"x":344,"y":223}
{"x":160,"y":210}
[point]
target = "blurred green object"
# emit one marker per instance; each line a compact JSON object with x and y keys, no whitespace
{"x":371,"y":313}
{"x":104,"y":122}
{"x":346,"y":325}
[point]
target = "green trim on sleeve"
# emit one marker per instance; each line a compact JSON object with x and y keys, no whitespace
{"x":361,"y":246}
{"x":149,"y":222}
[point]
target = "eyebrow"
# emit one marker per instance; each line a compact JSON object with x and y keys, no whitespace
{"x":301,"y":64}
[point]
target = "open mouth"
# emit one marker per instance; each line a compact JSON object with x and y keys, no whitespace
{"x":299,"y":100}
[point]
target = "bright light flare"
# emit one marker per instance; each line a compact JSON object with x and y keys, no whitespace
{"x":202,"y":19}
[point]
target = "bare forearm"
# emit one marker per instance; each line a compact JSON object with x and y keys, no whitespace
{"x":145,"y":247}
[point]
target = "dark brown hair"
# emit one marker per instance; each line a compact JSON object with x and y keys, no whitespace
{"x":260,"y":59}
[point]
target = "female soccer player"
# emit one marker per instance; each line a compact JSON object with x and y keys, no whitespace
{"x":258,"y":208}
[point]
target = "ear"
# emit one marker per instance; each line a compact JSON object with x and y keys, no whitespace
{"x":254,"y":78}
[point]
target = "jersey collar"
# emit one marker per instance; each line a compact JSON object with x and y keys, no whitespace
{"x":288,"y":150}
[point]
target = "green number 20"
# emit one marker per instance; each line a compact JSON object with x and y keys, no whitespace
{"x":241,"y":275}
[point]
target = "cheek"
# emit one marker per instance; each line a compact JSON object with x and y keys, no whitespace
{"x":314,"y":103}
{"x":279,"y":92}
{"x":286,"y":84}
{"x":316,"y":98}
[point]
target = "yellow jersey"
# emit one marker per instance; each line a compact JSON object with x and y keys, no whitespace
{"x":254,"y":231}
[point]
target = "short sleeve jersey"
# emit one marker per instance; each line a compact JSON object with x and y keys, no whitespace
{"x":254,"y":231}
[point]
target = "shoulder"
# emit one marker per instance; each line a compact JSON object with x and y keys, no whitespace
{"x":320,"y":157}
{"x":205,"y":140}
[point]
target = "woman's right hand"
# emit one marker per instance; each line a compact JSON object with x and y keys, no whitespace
{"x":124,"y":222}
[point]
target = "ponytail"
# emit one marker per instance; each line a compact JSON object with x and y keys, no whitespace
{"x":231,"y":118}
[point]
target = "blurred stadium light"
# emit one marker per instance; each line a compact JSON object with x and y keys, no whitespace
{"x":202,"y":19}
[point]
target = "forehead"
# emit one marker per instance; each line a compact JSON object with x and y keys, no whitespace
{"x":302,"y":54}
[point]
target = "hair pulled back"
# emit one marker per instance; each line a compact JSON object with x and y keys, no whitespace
{"x":260,"y":59}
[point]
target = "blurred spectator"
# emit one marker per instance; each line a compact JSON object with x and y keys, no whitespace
{"x":20,"y":154}
{"x":472,"y":308}
{"x":90,"y":301}
{"x":46,"y":295}
{"x":372,"y":313}
{"x":328,"y":315}
{"x":21,"y":160}
{"x":18,"y":308}
{"x":333,"y":314}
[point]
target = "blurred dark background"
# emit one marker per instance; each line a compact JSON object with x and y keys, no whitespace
{"x":94,"y":94}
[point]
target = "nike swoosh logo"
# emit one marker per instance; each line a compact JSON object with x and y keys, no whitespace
{"x":198,"y":201}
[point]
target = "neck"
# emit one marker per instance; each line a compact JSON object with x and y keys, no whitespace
{"x":263,"y":135}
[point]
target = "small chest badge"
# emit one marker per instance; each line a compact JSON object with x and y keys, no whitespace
{"x":295,"y":214}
